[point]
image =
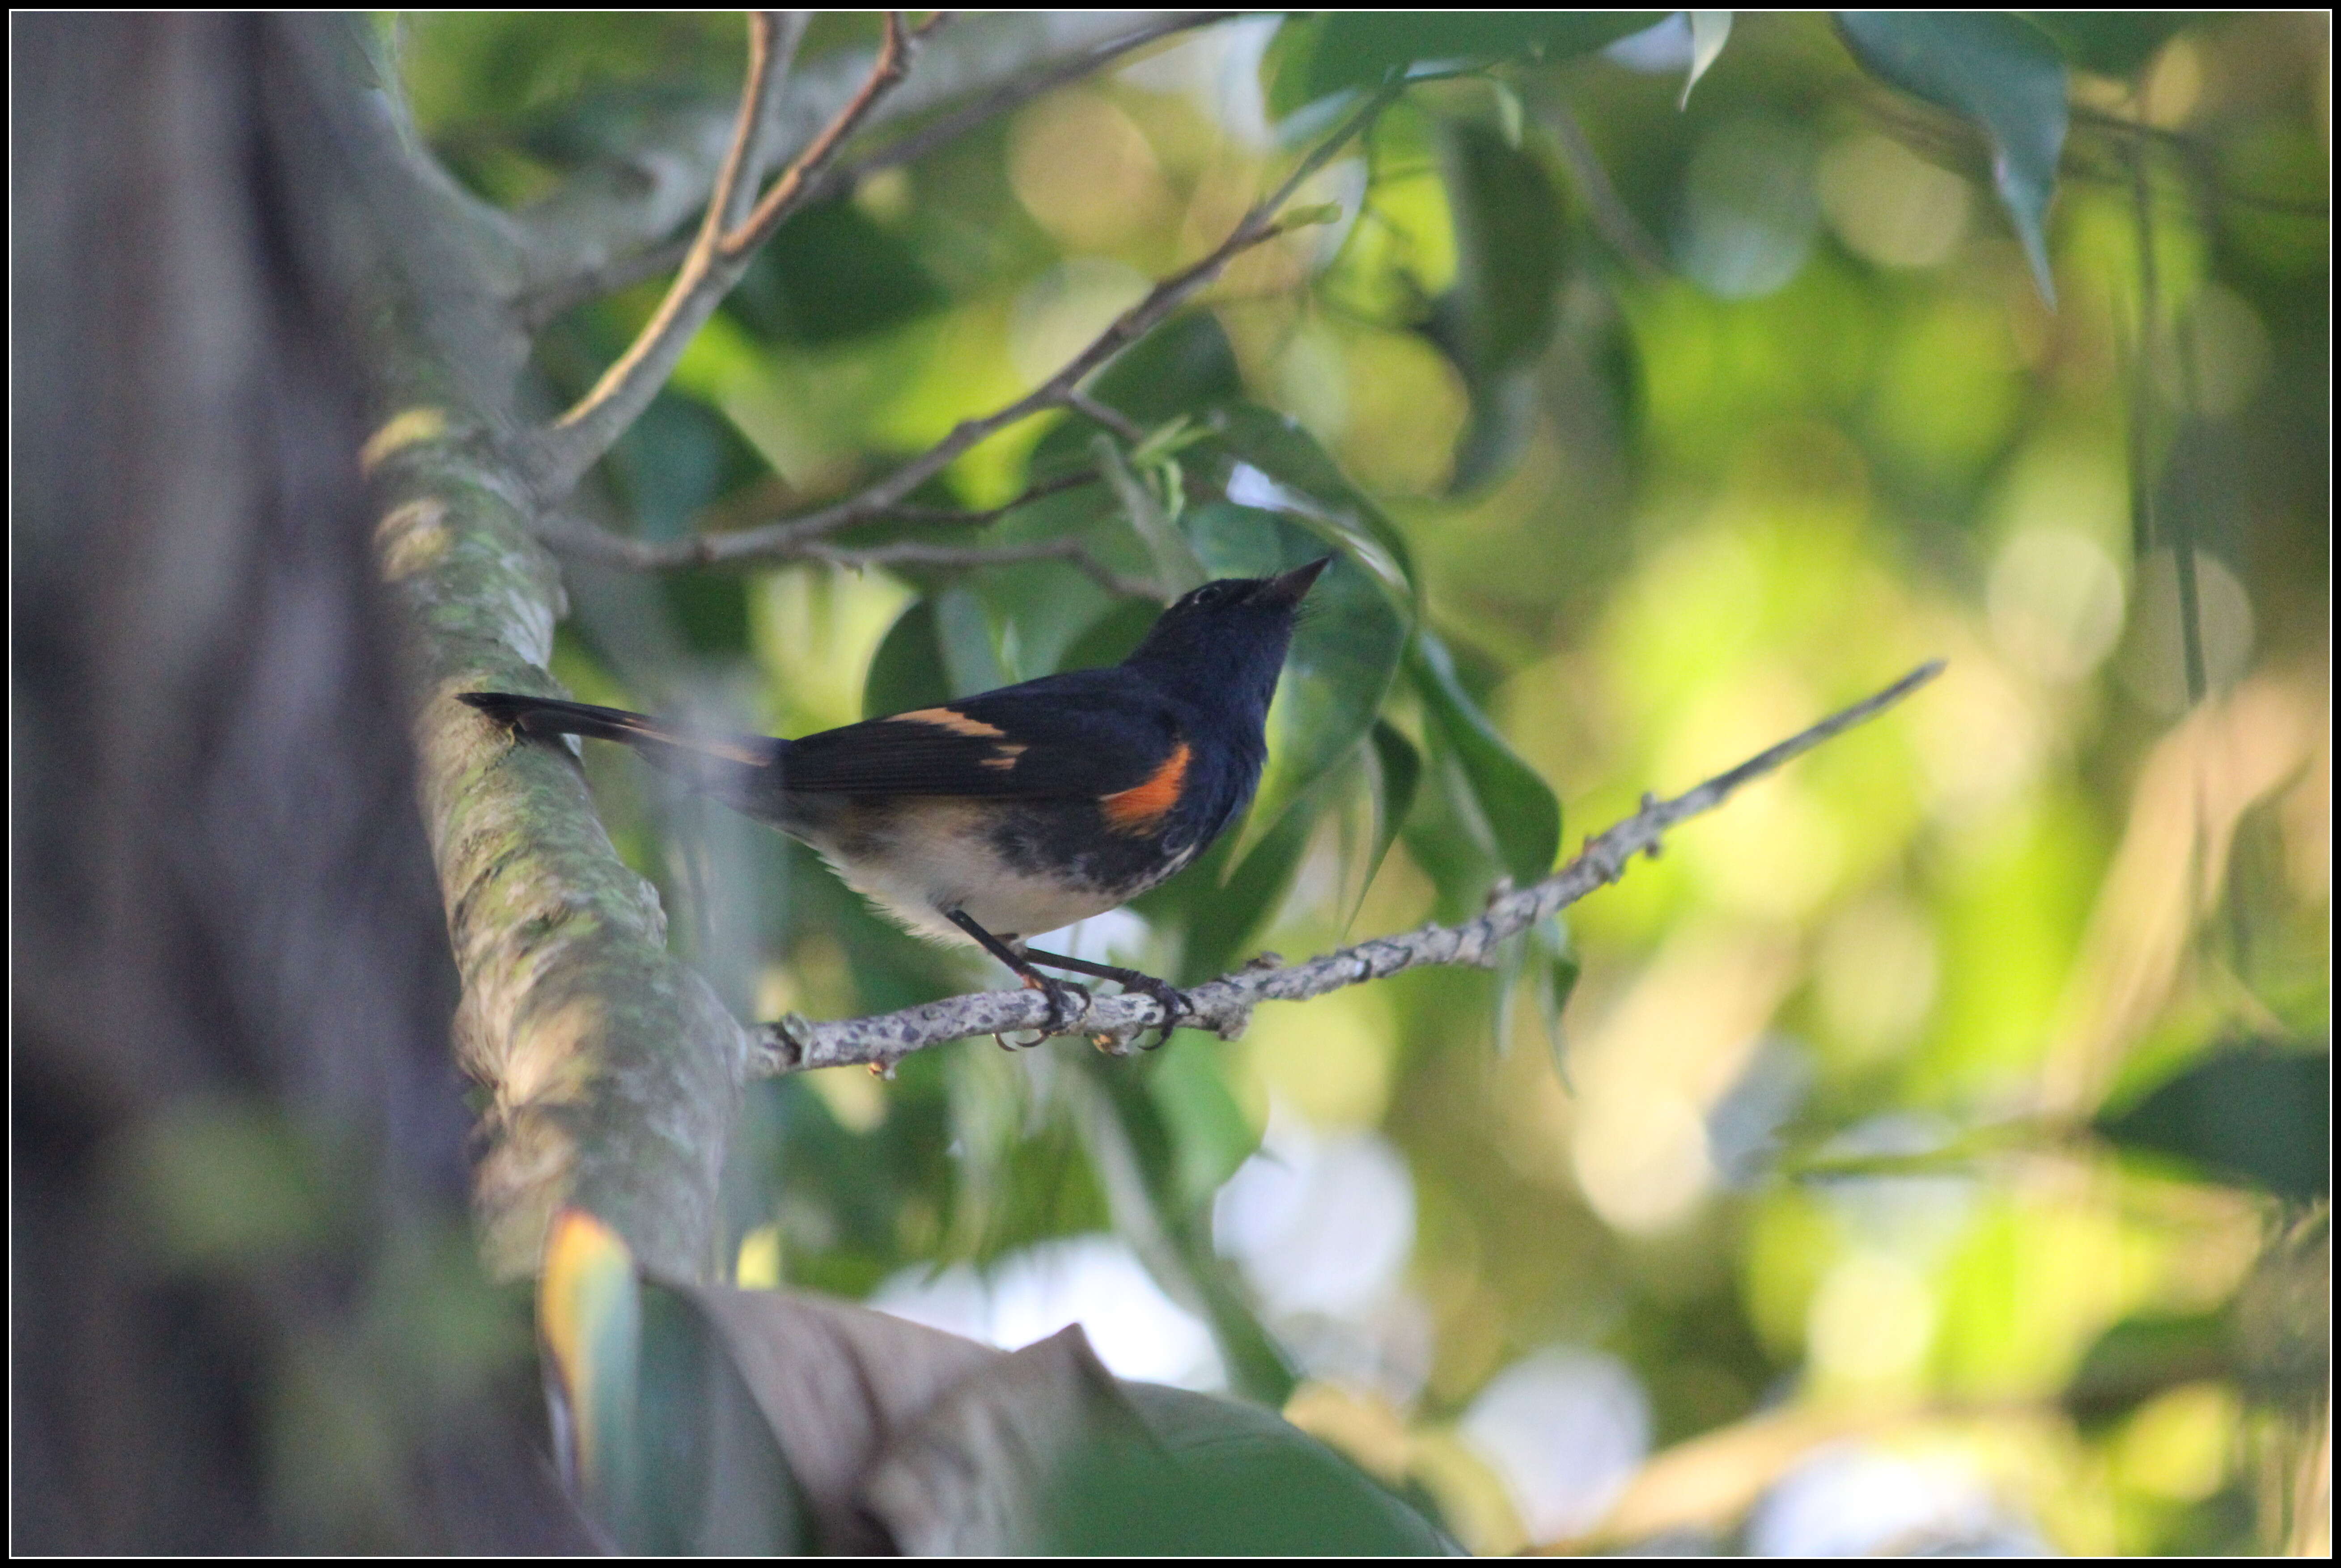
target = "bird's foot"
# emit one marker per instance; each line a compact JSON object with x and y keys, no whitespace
{"x":1067,"y":1002}
{"x":1174,"y":1006}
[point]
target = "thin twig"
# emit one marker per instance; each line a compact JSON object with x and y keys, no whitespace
{"x":554,"y":459}
{"x":947,"y":128}
{"x":791,"y":191}
{"x":918,"y":553}
{"x":586,"y":541}
{"x":1224,"y":1005}
{"x":967,"y":517}
{"x":624,"y":271}
{"x":614,"y":276}
{"x":1105,"y":414}
{"x":780,"y":541}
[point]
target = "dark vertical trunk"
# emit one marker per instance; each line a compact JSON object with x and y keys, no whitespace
{"x":237,"y":1139}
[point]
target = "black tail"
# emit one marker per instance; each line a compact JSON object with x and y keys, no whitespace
{"x":739,"y":770}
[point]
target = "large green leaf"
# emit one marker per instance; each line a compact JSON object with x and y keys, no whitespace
{"x":832,"y":274}
{"x":907,"y":672}
{"x":2111,"y":43}
{"x":676,"y":460}
{"x":1396,"y":773}
{"x":2002,"y":74}
{"x":1230,"y":1480}
{"x":964,"y":631}
{"x":1509,"y":248}
{"x":1523,"y":815}
{"x":1208,"y":1134}
{"x":1363,"y":48}
{"x":1307,"y":484}
{"x":1112,"y":637}
{"x":1498,"y":317}
{"x":2253,"y":1112}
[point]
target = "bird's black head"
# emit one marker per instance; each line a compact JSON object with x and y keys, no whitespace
{"x":1227,"y":639}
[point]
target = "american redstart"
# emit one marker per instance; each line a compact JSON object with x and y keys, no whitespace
{"x":1020,"y":810}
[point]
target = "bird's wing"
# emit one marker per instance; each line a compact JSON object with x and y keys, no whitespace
{"x":1094,"y":732}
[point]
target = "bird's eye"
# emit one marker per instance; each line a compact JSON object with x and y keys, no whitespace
{"x":1211,"y":593}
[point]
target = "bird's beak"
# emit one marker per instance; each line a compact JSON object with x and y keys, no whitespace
{"x":1294,"y":586}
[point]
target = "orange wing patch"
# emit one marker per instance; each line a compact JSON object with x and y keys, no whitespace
{"x":1006,"y":759}
{"x":1141,"y":808}
{"x":948,"y":719}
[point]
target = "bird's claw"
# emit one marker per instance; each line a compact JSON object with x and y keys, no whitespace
{"x":1062,"y":1009}
{"x":1174,"y":1007}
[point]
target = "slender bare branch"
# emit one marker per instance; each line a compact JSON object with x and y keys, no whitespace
{"x":657,"y":257}
{"x":616,"y":275}
{"x":977,"y":517}
{"x":1105,"y":414}
{"x":796,"y":183}
{"x":785,"y":538}
{"x":586,"y":541}
{"x":918,"y":553}
{"x":948,"y":128}
{"x":1224,"y":1005}
{"x":554,"y":458}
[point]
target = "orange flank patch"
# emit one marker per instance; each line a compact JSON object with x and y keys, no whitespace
{"x":948,"y":719}
{"x":1141,"y":808}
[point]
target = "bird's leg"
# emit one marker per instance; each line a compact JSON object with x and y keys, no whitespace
{"x":1060,"y":993}
{"x":1174,"y":1004}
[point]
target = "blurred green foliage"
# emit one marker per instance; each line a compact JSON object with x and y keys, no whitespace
{"x":1647,"y":434}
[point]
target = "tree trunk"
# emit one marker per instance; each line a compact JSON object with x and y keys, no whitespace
{"x":238,"y":1139}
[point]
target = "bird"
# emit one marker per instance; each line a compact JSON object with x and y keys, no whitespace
{"x":999,"y":817}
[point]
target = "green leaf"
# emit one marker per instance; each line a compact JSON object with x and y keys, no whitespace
{"x":2254,"y":1113}
{"x":2147,"y":1355}
{"x":1556,"y":949}
{"x":830,"y":275}
{"x":1221,"y":918}
{"x":1284,"y":64}
{"x":1519,"y":808}
{"x":1112,"y":637}
{"x":907,"y":672}
{"x":713,"y":1481}
{"x":2002,"y":74}
{"x":1345,"y":653}
{"x":1184,"y":364}
{"x":1209,"y":1136}
{"x":1709,"y":32}
{"x":964,"y":632}
{"x":1508,"y":233}
{"x":1498,"y":318}
{"x":676,"y":460}
{"x":589,"y":1321}
{"x":1307,"y":485}
{"x":1363,"y":48}
{"x":710,"y":609}
{"x":1396,"y":773}
{"x":2111,"y":43}
{"x":1542,"y":957}
{"x":1240,"y":1482}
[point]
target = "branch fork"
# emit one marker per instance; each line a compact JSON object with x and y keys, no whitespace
{"x":737,"y":225}
{"x":796,"y":538}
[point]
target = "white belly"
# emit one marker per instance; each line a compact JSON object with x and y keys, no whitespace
{"x":933,"y":860}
